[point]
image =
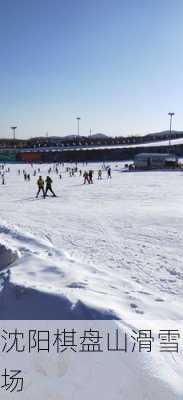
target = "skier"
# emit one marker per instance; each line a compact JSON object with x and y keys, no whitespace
{"x":90,"y":176}
{"x":100,"y":174}
{"x":86,"y":177}
{"x":49,"y":186}
{"x":40,"y":183}
{"x":109,"y":172}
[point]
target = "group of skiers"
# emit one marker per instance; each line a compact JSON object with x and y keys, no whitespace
{"x":45,"y":186}
{"x":3,"y":171}
{"x":88,"y":176}
{"x":27,"y":177}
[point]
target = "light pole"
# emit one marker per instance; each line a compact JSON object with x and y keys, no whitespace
{"x":14,"y":129}
{"x":171,"y":114}
{"x":78,"y":120}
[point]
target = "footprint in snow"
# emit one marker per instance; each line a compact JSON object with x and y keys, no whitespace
{"x":77,"y":285}
{"x":135,"y":308}
{"x":159,"y":300}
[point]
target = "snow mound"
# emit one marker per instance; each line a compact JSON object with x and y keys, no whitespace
{"x":7,"y":256}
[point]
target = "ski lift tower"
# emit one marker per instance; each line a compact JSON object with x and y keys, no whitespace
{"x":78,"y":120}
{"x":14,"y":129}
{"x":171,"y":114}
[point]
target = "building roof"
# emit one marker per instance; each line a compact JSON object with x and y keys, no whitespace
{"x":155,"y":155}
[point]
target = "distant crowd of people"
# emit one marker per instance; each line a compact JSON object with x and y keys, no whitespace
{"x":44,"y":186}
{"x":88,"y":175}
{"x":3,"y":171}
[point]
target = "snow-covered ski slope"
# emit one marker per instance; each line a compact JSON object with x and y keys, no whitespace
{"x":116,"y":244}
{"x":108,"y":250}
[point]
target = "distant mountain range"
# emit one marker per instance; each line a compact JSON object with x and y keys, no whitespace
{"x":101,"y":136}
{"x":72,"y":137}
{"x":165,"y":133}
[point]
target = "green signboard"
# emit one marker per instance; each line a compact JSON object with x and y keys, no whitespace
{"x":7,"y":156}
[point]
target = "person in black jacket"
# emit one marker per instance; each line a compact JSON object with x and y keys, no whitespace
{"x":48,"y":181}
{"x":90,"y":174}
{"x":109,"y":172}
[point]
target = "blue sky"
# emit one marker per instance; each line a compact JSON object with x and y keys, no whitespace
{"x":118,"y":64}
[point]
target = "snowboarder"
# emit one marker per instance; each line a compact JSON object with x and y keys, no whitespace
{"x":49,"y":186}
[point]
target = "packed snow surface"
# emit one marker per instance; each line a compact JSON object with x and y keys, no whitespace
{"x":108,"y":250}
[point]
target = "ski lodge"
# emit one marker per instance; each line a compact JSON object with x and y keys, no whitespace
{"x":155,"y":161}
